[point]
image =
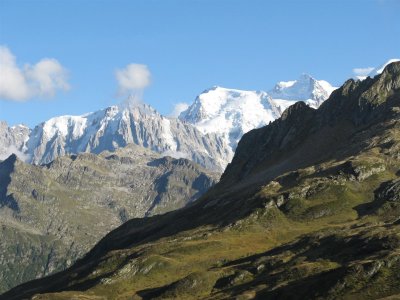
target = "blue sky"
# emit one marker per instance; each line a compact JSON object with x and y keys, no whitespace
{"x":188,"y":46}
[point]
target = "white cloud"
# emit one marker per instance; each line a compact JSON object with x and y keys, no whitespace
{"x":178,"y":108}
{"x":47,"y":76}
{"x":42,"y":79}
{"x":133,"y":78}
{"x":362,"y":72}
{"x":13,"y":84}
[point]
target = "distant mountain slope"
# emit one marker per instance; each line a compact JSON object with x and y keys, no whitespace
{"x":308,"y":209}
{"x":51,"y":215}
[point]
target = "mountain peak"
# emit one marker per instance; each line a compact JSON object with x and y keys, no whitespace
{"x":362,"y":102}
{"x":383,"y":86}
{"x":380,"y":69}
{"x":211,"y":89}
{"x":304,"y":88}
{"x":298,"y":108}
{"x":392,"y":67}
{"x":305,"y":76}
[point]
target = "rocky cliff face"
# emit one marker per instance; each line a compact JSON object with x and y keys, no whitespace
{"x":308,"y":209}
{"x":50,"y":215}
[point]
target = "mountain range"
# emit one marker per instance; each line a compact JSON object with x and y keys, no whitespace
{"x":207,"y":132}
{"x":308,"y":209}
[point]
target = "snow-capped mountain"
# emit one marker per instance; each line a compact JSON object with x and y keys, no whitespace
{"x":113,"y":128}
{"x":231,"y":113}
{"x":305,"y":88}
